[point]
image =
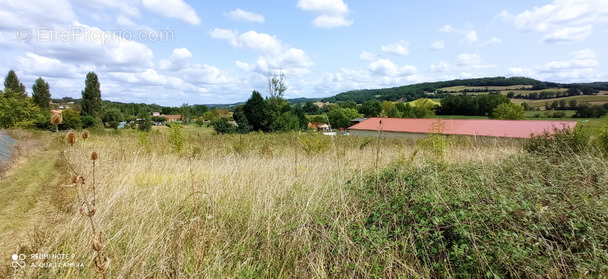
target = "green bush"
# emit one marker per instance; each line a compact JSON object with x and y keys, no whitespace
{"x":313,"y":143}
{"x":559,"y":141}
{"x":176,"y":138}
{"x":528,"y":217}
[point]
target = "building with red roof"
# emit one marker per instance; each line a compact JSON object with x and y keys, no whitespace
{"x":417,"y":127}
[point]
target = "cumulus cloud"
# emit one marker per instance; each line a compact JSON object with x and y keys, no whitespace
{"x":493,"y":41}
{"x":568,"y":34}
{"x":177,"y":61}
{"x":367,"y":56}
{"x":400,"y":48}
{"x":469,"y":35}
{"x":437,"y":45}
{"x":240,"y":15}
{"x":331,"y":13}
{"x":35,"y":13}
{"x":274,"y":54}
{"x":441,"y":67}
{"x":468,"y":59}
{"x":385,"y":67}
{"x":173,"y":9}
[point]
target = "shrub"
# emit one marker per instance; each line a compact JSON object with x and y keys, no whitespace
{"x":561,"y":140}
{"x":314,"y":143}
{"x":176,"y":138}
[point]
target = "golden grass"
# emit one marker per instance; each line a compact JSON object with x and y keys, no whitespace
{"x":263,"y":211}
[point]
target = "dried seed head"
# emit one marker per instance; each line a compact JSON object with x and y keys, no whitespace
{"x":71,"y":138}
{"x":85,"y":134}
{"x":82,"y":210}
{"x":94,"y":156}
{"x":92,"y":210}
{"x":56,"y":119}
{"x":102,"y":263}
{"x":97,"y":243}
{"x":74,"y":179}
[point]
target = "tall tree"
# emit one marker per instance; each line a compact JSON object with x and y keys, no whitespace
{"x":371,"y":108}
{"x":12,"y":86}
{"x":255,"y":111}
{"x":41,"y":94}
{"x":276,"y":85}
{"x":91,"y":96}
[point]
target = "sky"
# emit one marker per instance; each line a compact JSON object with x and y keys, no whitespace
{"x":171,"y":52}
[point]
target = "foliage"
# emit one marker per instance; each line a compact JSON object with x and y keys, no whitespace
{"x":590,"y":111}
{"x":88,"y":121}
{"x":310,"y":108}
{"x":509,"y":111}
{"x":424,"y":108}
{"x":223,"y":126}
{"x":91,"y":96}
{"x":318,"y":119}
{"x":240,"y":118}
{"x":276,"y":85}
{"x":348,"y":104}
{"x":390,"y":110}
{"x":255,"y":111}
{"x":602,"y":138}
{"x":313,"y":143}
{"x":340,"y":118}
{"x":186,"y":113}
{"x":560,"y":140}
{"x":534,"y":218}
{"x":176,"y":138}
{"x":371,"y":108}
{"x":12,"y":86}
{"x":112,"y":115}
{"x":41,"y":94}
{"x":209,"y":116}
{"x":436,"y":140}
{"x":145,"y":122}
{"x":19,"y":112}
{"x":71,"y":120}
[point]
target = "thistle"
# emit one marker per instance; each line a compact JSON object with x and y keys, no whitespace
{"x":56,"y":119}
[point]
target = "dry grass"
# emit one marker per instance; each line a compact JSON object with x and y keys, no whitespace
{"x":257,"y":217}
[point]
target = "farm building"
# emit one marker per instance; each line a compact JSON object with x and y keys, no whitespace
{"x":412,"y":127}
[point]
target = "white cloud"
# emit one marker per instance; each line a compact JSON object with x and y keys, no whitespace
{"x":177,"y":61}
{"x":468,"y":59}
{"x":274,"y":53}
{"x":332,"y":13}
{"x":35,"y":13}
{"x":173,"y":9}
{"x":584,"y":54}
{"x":493,"y":41}
{"x":367,"y":56}
{"x":400,"y":48}
{"x":385,"y":67}
{"x":441,"y":67}
{"x":568,"y":34}
{"x":240,"y":15}
{"x":562,"y":13}
{"x":437,"y":45}
{"x":469,"y":35}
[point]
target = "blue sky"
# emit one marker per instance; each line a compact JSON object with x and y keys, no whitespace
{"x":173,"y":51}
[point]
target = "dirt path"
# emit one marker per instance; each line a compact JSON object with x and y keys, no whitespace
{"x":26,"y":203}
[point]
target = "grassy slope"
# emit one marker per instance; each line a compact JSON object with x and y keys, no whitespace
{"x":277,"y":206}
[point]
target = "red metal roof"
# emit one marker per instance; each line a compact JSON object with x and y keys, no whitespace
{"x":479,"y":127}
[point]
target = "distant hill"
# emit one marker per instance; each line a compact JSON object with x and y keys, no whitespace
{"x":420,"y":90}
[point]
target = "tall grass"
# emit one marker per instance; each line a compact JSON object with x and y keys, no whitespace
{"x":233,"y":206}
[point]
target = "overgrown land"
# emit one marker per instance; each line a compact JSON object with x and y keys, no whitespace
{"x":182,"y":203}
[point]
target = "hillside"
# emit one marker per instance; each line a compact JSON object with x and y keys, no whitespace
{"x":419,"y":90}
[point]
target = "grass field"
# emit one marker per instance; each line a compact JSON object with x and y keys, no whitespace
{"x":595,"y":99}
{"x":310,"y":206}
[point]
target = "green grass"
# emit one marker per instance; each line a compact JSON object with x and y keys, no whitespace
{"x":596,"y":99}
{"x":22,"y":187}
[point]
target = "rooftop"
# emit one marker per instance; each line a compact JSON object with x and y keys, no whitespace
{"x":473,"y":127}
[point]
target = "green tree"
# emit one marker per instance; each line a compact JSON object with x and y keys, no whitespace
{"x":310,"y":108}
{"x":298,"y":112}
{"x":340,"y":118}
{"x":71,"y":120}
{"x":276,"y":85}
{"x":113,"y":117}
{"x":255,"y":111}
{"x":223,"y":126}
{"x":371,"y":108}
{"x":424,"y":108}
{"x":19,"y":112}
{"x":348,"y":104}
{"x":209,"y":116}
{"x":241,"y":120}
{"x":406,"y":110}
{"x":176,"y":138}
{"x":87,"y":121}
{"x":145,"y":122}
{"x":12,"y":86}
{"x":186,"y":112}
{"x":41,"y":94}
{"x":91,"y":96}
{"x":509,"y":111}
